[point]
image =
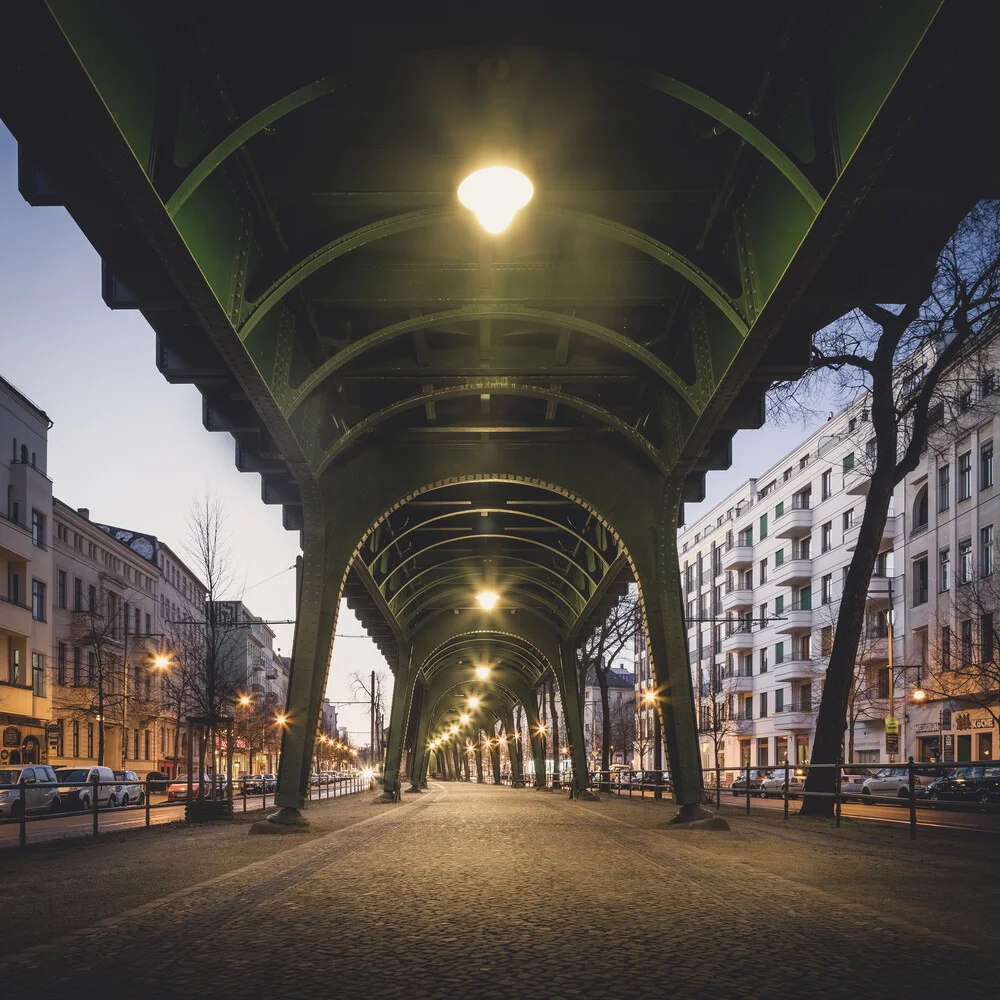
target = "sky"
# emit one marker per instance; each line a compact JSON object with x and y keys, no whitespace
{"x":126,"y":443}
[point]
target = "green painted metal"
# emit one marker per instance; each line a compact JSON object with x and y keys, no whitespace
{"x":492,"y":311}
{"x":498,"y":387}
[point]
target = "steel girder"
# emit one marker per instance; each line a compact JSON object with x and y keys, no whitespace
{"x":285,"y":260}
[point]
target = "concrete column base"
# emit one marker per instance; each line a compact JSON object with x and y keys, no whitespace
{"x":286,"y":820}
{"x":384,"y":798}
{"x":587,"y":795}
{"x":693,"y":817}
{"x":413,"y":790}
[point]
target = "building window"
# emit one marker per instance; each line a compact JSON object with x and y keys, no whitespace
{"x":826,"y":537}
{"x":967,"y":643}
{"x":763,"y":660}
{"x":77,"y":672}
{"x":91,"y":669}
{"x":779,"y":653}
{"x":986,"y":550}
{"x":986,"y":637}
{"x":38,"y":529}
{"x":61,"y":663}
{"x":77,"y":594}
{"x":763,"y":526}
{"x":76,"y":739}
{"x":92,"y":598}
{"x":944,"y":487}
{"x":986,"y":465}
{"x":826,"y":640}
{"x":90,"y":739}
{"x":38,"y":600}
{"x":748,"y":707}
{"x":61,"y":588}
{"x":945,"y":647}
{"x":920,"y":581}
{"x":965,"y":475}
{"x":763,"y":705}
{"x":779,"y":604}
{"x":944,"y":570}
{"x":763,"y":571}
{"x":145,"y":744}
{"x":849,"y":462}
{"x":826,"y":481}
{"x":920,"y":509}
{"x":826,"y":589}
{"x":848,"y":519}
{"x":38,"y":675}
{"x":779,"y":701}
{"x":965,"y":561}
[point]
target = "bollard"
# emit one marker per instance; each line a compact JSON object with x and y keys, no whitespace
{"x":22,"y":823}
{"x":787,"y":775}
{"x":747,"y":776}
{"x":912,"y":779}
{"x":94,"y":804}
{"x":243,"y":781}
{"x":145,"y":799}
{"x":836,"y":792}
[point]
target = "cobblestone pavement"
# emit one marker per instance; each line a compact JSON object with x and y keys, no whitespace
{"x":486,"y":892}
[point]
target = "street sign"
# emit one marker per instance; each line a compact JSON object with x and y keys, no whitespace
{"x":892,"y":726}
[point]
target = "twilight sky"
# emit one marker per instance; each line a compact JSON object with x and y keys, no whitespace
{"x":132,"y":448}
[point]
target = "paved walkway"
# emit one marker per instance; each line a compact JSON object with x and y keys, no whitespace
{"x":485,"y":892}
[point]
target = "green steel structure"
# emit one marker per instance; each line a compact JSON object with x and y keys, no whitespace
{"x":439,"y":410}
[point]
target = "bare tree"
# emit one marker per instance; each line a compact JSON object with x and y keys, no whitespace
{"x":721,"y":719}
{"x":900,"y":355}
{"x":596,"y":657}
{"x":361,"y":686}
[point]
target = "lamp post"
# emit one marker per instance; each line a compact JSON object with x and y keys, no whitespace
{"x":651,"y":699}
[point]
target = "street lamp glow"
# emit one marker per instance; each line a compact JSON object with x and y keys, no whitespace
{"x":482,"y":672}
{"x":473,"y":701}
{"x":495,"y":195}
{"x":463,"y":719}
{"x":487,"y":599}
{"x":281,"y":720}
{"x":649,"y":697}
{"x":244,"y":700}
{"x":161,"y":662}
{"x":453,"y":730}
{"x":919,"y":695}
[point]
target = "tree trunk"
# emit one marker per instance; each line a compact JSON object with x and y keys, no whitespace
{"x":556,"y":777}
{"x":602,"y":683}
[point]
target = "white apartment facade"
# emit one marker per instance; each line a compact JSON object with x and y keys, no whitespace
{"x":762,"y":574}
{"x":25,"y":581}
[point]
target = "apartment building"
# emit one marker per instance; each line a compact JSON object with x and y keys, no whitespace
{"x":762,"y":574}
{"x":104,"y":686}
{"x":25,"y":580}
{"x":950,"y":584}
{"x":621,"y":713}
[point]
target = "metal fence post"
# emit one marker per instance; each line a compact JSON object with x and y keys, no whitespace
{"x":243,"y":782}
{"x":836,"y":791}
{"x":22,"y":827}
{"x":787,"y":781}
{"x":95,"y":803}
{"x":747,"y":776}
{"x":146,"y":800}
{"x":912,"y":780}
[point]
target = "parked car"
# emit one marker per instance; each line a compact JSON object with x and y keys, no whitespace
{"x":775,"y":783}
{"x":756,"y":777}
{"x":852,"y":780}
{"x":975,"y":783}
{"x":895,"y":781}
{"x":178,"y":791}
{"x":37,"y":790}
{"x":157,"y":781}
{"x":130,"y":792}
{"x":77,"y":795}
{"x":270,"y":782}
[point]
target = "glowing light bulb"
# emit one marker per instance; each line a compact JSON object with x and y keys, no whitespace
{"x":482,"y":672}
{"x":463,"y":719}
{"x":487,"y":599}
{"x":495,"y":195}
{"x":473,"y":702}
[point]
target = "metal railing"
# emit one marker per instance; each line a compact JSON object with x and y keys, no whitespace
{"x":88,"y":797}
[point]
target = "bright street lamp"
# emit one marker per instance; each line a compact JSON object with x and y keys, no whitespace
{"x":495,"y":195}
{"x":487,"y":599}
{"x":482,"y":673}
{"x":463,"y":719}
{"x":473,"y":701}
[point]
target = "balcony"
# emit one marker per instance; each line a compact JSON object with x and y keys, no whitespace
{"x":880,"y":591}
{"x":15,"y":541}
{"x":887,"y":537}
{"x":738,"y":641}
{"x":794,"y":523}
{"x":15,"y":618}
{"x":793,"y":573}
{"x":738,"y":684}
{"x":794,"y":717}
{"x":857,"y":483}
{"x":738,"y":598}
{"x":738,"y":557}
{"x":873,"y":648}
{"x":17,"y":700}
{"x":795,"y":619}
{"x":793,"y":670}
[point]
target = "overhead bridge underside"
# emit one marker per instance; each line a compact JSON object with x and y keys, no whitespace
{"x":440,"y":411}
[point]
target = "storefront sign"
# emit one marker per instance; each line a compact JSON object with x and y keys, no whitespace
{"x":12,"y":737}
{"x":965,"y":720}
{"x":949,"y":748}
{"x":927,"y":727}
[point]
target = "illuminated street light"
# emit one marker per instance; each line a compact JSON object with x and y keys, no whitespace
{"x":281,"y":720}
{"x":483,"y":672}
{"x":453,"y":730}
{"x":244,"y":700}
{"x":495,"y":195}
{"x":649,"y":697}
{"x":487,"y":599}
{"x":161,"y":661}
{"x":473,"y":702}
{"x":919,"y":695}
{"x":463,"y":719}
